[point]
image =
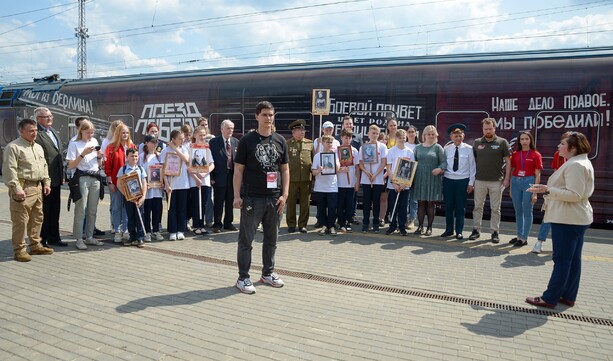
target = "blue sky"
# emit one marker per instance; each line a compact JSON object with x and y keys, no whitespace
{"x":144,"y":36}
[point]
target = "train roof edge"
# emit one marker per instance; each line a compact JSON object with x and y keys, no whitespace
{"x":555,"y":54}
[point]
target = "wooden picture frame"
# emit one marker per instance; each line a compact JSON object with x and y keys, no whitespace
{"x":321,"y":102}
{"x":327,"y":163}
{"x":370,"y":153}
{"x":404,"y":172}
{"x":198,"y":157}
{"x":172,"y":165}
{"x":131,"y":186}
{"x":345,"y":155}
{"x":154,"y":176}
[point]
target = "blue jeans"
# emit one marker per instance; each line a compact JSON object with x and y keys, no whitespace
{"x":372,"y":196}
{"x":544,"y":231}
{"x":522,"y":202}
{"x":119,"y":218}
{"x":199,"y":215}
{"x":454,"y":193}
{"x":412,"y":205}
{"x":254,"y":211}
{"x":326,"y":208}
{"x":345,"y":206}
{"x":153,"y":214}
{"x":135,"y":227}
{"x":90,"y":194}
{"x":399,"y":216}
{"x":177,"y":214}
{"x":567,"y":247}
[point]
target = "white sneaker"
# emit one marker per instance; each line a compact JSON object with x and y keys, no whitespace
{"x":158,"y":236}
{"x":538,"y":247}
{"x":273,"y":280}
{"x":410,"y":224}
{"x":245,"y":286}
{"x":118,"y":238}
{"x":261,"y":228}
{"x":148,"y":237}
{"x":94,"y":242}
{"x":189,"y":227}
{"x":180,"y":236}
{"x":126,"y":235}
{"x":172,"y":237}
{"x":81,"y":245}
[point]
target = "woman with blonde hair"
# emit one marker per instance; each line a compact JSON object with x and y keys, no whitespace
{"x":115,"y":155}
{"x":428,"y":183}
{"x":84,"y":156}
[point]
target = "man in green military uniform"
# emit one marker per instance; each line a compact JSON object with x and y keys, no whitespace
{"x":24,"y":170}
{"x":300,"y":160}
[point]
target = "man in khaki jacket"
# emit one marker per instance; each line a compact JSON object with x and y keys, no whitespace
{"x":24,"y":169}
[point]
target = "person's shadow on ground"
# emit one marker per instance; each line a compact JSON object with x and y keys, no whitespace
{"x":504,"y":323}
{"x":183,"y":298}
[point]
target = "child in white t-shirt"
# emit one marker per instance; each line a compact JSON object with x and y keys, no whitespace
{"x":324,"y":168}
{"x":373,"y":159}
{"x":347,"y":182}
{"x":399,"y":212}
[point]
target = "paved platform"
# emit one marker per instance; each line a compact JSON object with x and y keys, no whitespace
{"x":351,"y":297}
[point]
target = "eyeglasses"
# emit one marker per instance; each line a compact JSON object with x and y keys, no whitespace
{"x":45,"y":116}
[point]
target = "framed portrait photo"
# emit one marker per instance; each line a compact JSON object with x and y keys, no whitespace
{"x":154,"y":176}
{"x":172,"y":164}
{"x":345,"y":156}
{"x":405,"y":172}
{"x":321,"y":102}
{"x":370,"y":155}
{"x":328,"y":163}
{"x":131,"y":186}
{"x":198,"y":157}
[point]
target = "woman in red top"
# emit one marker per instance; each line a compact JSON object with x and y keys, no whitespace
{"x":115,"y":155}
{"x":526,"y":166}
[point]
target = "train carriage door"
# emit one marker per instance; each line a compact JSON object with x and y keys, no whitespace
{"x":127,"y":119}
{"x":237,"y":118}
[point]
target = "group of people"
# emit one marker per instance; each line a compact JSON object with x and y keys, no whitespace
{"x":262,"y":172}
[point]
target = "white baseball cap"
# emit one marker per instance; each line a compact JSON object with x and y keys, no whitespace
{"x":327,"y":125}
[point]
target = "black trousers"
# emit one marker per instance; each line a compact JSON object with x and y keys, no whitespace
{"x":223,"y":200}
{"x":50,"y":230}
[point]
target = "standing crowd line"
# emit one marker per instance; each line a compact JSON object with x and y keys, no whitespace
{"x":204,"y":177}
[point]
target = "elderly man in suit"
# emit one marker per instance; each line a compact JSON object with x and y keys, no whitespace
{"x":52,"y":146}
{"x":223,"y":149}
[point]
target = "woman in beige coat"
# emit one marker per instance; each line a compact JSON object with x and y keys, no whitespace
{"x":569,"y":211}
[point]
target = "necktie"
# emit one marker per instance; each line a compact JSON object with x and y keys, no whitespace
{"x":229,"y":152}
{"x":456,"y":159}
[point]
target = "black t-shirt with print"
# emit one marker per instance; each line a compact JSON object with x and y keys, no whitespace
{"x":261,"y":155}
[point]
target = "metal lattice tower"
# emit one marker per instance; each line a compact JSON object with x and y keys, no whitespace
{"x":81,"y":34}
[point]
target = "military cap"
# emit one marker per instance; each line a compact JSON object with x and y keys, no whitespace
{"x":455,"y":127}
{"x":300,"y":123}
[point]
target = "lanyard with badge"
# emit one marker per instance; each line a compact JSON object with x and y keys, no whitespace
{"x":522,"y":172}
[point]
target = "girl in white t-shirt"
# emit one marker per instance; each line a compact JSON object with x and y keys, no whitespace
{"x":200,"y":180}
{"x":153,"y":201}
{"x":347,"y":183}
{"x":84,"y":156}
{"x":177,"y":187}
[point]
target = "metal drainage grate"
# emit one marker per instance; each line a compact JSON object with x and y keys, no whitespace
{"x":401,"y":291}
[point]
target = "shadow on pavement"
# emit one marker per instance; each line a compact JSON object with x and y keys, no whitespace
{"x":526,"y":259}
{"x":183,"y":298}
{"x":498,"y":323}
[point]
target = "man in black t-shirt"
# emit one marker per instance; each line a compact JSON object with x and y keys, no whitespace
{"x":261,"y":186}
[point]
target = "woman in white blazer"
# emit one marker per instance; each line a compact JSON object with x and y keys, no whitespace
{"x":568,"y":209}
